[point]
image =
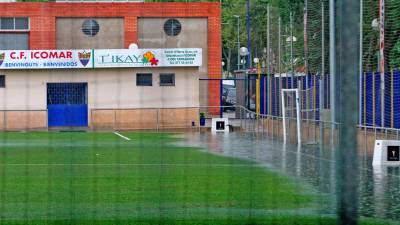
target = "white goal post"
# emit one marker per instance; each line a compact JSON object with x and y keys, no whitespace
{"x":297,"y":99}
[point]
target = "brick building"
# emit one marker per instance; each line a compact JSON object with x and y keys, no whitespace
{"x":51,"y":74}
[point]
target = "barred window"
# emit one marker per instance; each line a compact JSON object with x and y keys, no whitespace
{"x":144,"y":79}
{"x":167,"y":79}
{"x":2,"y":81}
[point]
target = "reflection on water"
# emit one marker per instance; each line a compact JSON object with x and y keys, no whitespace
{"x":379,"y":187}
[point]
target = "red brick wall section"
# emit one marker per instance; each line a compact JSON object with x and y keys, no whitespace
{"x":42,"y":33}
{"x":43,"y":16}
{"x":131,"y":30}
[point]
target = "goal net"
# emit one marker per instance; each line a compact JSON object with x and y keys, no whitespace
{"x":308,"y":104}
{"x":291,"y":114}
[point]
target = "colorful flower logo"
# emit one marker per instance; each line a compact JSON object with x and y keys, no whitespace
{"x":2,"y":56}
{"x":84,"y":57}
{"x":149,"y":57}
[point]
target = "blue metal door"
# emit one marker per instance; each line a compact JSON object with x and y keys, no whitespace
{"x":67,"y":104}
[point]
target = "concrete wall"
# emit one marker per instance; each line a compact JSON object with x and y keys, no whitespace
{"x":107,"y":89}
{"x":69,"y":34}
{"x":23,"y":120}
{"x":144,"y":119}
{"x":193,"y":35}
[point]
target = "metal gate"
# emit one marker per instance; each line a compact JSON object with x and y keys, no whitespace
{"x":67,"y":104}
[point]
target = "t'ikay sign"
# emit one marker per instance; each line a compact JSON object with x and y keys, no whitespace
{"x":175,"y":57}
{"x":100,"y":58}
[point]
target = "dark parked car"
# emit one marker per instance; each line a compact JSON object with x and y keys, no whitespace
{"x":229,"y":98}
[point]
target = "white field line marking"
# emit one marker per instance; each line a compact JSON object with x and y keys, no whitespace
{"x":122,"y":136}
{"x":133,"y":164}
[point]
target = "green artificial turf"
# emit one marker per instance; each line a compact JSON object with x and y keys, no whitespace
{"x":100,"y":178}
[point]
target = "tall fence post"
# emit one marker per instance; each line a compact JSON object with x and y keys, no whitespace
{"x":332,"y":60}
{"x":270,"y":94}
{"x":360,"y":61}
{"x":5,"y":120}
{"x":365,"y":97}
{"x":115,"y":119}
{"x":382,"y":57}
{"x":321,"y":131}
{"x":47,"y":119}
{"x":391,"y":100}
{"x":158,"y":119}
{"x":283,"y":117}
{"x":373,"y":100}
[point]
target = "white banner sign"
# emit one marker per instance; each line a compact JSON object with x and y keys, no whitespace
{"x":175,"y":57}
{"x":45,"y":59}
{"x":100,"y":58}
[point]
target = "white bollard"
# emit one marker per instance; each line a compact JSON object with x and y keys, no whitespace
{"x":220,"y":125}
{"x":387,"y":153}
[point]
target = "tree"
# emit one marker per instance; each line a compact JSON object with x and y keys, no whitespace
{"x":229,"y":31}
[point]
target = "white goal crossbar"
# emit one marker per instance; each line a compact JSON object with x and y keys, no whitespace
{"x":297,"y":113}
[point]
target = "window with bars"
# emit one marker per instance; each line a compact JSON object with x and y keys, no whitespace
{"x":2,"y":81}
{"x":66,"y":93}
{"x":167,"y":79}
{"x":144,"y":79}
